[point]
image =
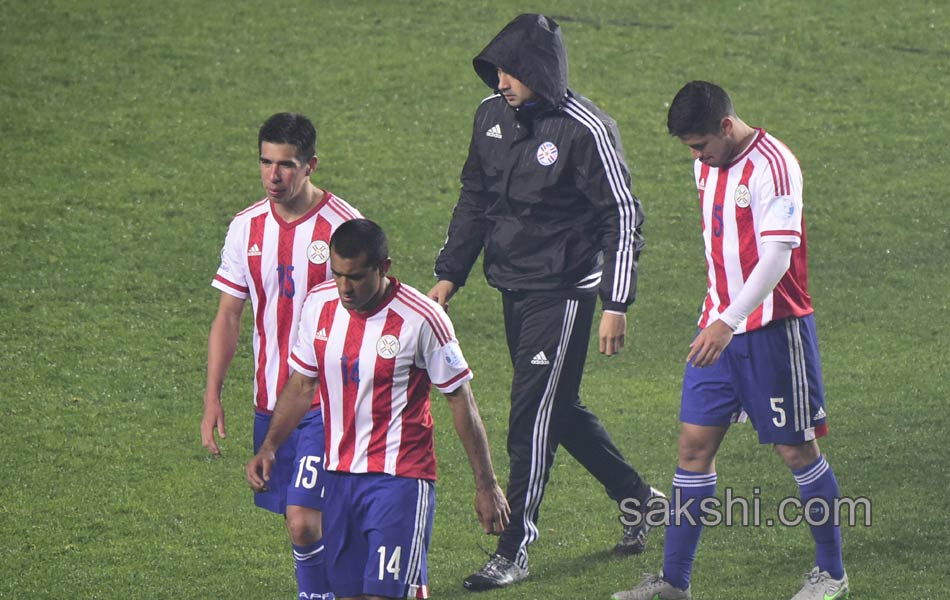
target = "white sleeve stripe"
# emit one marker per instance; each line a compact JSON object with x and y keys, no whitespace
{"x":775,"y":167}
{"x":345,"y":211}
{"x":622,"y":194}
{"x":442,"y":332}
{"x":252,"y":207}
{"x":777,"y":164}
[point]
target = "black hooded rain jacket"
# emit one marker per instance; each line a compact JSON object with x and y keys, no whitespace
{"x":545,"y":189}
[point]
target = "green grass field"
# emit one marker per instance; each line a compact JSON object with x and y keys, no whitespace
{"x":128,"y":141}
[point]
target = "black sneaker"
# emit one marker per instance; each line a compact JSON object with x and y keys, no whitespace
{"x":634,"y":540}
{"x":498,"y":572}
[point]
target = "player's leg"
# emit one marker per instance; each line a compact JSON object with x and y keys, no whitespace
{"x":535,"y":330}
{"x":694,"y":481}
{"x":784,"y":373}
{"x":818,"y":489}
{"x":305,"y":501}
{"x":396,"y":521}
{"x":346,"y":549}
{"x":274,"y":498}
{"x":584,"y":436}
{"x":708,"y":405}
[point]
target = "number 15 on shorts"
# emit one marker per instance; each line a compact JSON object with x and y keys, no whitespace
{"x":391,"y":566}
{"x":307,"y":472}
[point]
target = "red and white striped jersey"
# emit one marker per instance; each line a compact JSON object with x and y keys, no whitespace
{"x":375,"y":373}
{"x":755,"y":198}
{"x":274,"y":263}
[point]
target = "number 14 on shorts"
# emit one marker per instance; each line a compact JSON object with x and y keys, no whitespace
{"x":391,"y":566}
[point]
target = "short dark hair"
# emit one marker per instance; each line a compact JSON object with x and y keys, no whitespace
{"x":290,"y":128}
{"x":360,"y":237}
{"x":698,"y":109}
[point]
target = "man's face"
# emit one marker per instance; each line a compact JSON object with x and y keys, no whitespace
{"x":361,"y":287}
{"x":714,"y":149}
{"x":515,"y":92}
{"x":283,"y":175}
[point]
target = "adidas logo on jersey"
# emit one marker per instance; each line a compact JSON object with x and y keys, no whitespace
{"x":540,"y":359}
{"x":254,"y":250}
{"x":494,"y":132}
{"x":321,"y":335}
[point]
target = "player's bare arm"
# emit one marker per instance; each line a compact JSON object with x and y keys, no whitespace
{"x":222,"y":343}
{"x":292,"y":404}
{"x":442,"y":292}
{"x":613,"y":332}
{"x":491,"y":507}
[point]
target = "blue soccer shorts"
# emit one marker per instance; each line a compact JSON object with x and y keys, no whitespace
{"x":296,"y":476}
{"x":772,"y":375}
{"x":377,"y":536}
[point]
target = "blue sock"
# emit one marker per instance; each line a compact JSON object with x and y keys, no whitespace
{"x":682,"y":538}
{"x":311,"y":572}
{"x":818,"y":481}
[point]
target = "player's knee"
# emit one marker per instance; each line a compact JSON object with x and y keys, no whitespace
{"x":304,"y":525}
{"x":800,"y":456}
{"x":696,"y":454}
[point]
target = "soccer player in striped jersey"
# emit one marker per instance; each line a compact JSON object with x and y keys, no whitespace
{"x":275,"y":251}
{"x":756,"y":352}
{"x":372,"y":346}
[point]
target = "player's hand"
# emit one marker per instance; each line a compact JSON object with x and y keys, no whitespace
{"x":442,"y":292}
{"x":492,"y":509}
{"x":258,"y":470}
{"x":709,"y":344}
{"x":212,"y":420}
{"x":613,"y":333}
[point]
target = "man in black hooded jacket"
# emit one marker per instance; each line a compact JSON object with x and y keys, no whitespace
{"x":546,"y":193}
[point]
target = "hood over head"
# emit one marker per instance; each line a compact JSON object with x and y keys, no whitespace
{"x":531,"y":49}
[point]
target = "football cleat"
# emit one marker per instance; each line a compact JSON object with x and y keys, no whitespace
{"x":820,"y":585}
{"x":653,"y":587}
{"x":634,"y":540}
{"x":498,"y":572}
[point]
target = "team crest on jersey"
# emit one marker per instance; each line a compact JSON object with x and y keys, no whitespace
{"x":318,"y":252}
{"x":743,"y":196}
{"x":547,"y":154}
{"x":387,"y":346}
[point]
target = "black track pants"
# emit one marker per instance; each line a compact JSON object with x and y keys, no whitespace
{"x":547,"y":340}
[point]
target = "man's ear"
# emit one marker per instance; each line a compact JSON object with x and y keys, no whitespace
{"x":726,"y":126}
{"x":312,"y":164}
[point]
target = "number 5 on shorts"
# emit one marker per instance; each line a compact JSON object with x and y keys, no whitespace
{"x":776,"y":406}
{"x":391,"y":567}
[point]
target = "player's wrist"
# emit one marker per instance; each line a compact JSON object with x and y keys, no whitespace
{"x":267,"y":449}
{"x":730,"y":321}
{"x":486,"y":483}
